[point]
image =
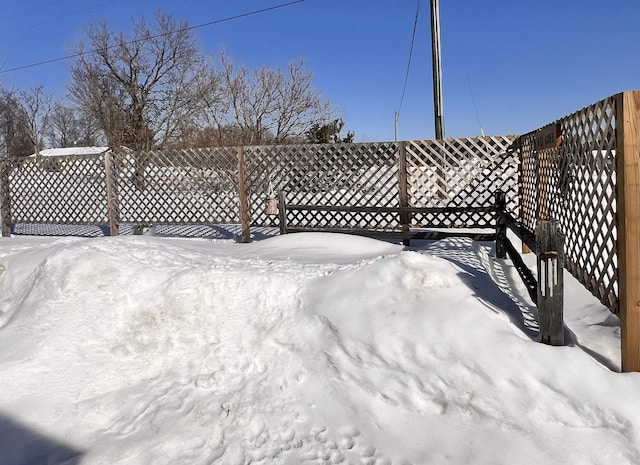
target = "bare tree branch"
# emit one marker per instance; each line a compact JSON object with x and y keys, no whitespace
{"x":141,"y":88}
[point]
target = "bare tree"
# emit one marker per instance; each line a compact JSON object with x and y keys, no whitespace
{"x":36,"y":106}
{"x":268,"y":105}
{"x":69,"y":127}
{"x":140,"y":87}
{"x":15,"y":139}
{"x":153,"y":88}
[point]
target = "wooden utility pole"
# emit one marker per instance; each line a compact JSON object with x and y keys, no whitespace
{"x":438,"y":102}
{"x":395,"y":126}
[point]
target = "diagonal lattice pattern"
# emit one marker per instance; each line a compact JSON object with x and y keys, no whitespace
{"x":203,"y":186}
{"x":575,"y":183}
{"x":326,"y":175}
{"x":196,"y":186}
{"x":63,"y":190}
{"x":460,"y":173}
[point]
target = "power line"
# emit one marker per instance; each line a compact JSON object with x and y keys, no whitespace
{"x":57,"y":18}
{"x":189,"y":28}
{"x":413,"y":39}
{"x":475,"y":107}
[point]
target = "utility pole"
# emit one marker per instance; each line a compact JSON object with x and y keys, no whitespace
{"x":438,"y":103}
{"x":395,"y":126}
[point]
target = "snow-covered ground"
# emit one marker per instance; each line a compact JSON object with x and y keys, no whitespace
{"x":308,"y":348}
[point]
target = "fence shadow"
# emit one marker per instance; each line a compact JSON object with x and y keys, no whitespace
{"x":206,"y":231}
{"x":487,"y":280}
{"x":21,"y":445}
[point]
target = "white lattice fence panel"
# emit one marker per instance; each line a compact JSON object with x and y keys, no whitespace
{"x":195,"y":186}
{"x":575,"y":183}
{"x":325,"y":175}
{"x":63,"y":190}
{"x":527,"y":190}
{"x":460,"y":173}
{"x":586,"y":198}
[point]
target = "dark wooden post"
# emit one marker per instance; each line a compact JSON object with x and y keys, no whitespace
{"x":111,"y":175}
{"x":403,"y":191}
{"x":5,"y":198}
{"x":243,"y":197}
{"x":501,"y":224}
{"x":628,"y":221}
{"x":282,"y":213}
{"x":549,"y":249}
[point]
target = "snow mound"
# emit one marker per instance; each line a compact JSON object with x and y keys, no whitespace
{"x":143,"y":350}
{"x":312,"y":246}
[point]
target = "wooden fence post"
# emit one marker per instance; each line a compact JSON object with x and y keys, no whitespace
{"x":5,"y":198}
{"x":243,"y":197}
{"x":112,"y":200}
{"x":282,"y":213}
{"x":403,"y":190}
{"x":501,"y":224}
{"x":628,"y":221}
{"x":550,"y":253}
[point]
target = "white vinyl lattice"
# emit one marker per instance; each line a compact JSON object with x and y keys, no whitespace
{"x":575,"y":183}
{"x":62,"y":190}
{"x":325,"y":175}
{"x":197,"y":186}
{"x":203,"y":186}
{"x":460,"y":173}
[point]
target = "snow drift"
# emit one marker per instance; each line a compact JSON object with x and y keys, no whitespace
{"x":309,"y":348}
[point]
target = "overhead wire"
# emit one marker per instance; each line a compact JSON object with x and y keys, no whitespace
{"x":188,"y":28}
{"x":44,"y":5}
{"x":475,"y":107}
{"x":57,"y":18}
{"x":413,"y":39}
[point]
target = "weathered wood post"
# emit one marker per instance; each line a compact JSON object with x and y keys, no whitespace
{"x":5,"y":198}
{"x":403,"y":190}
{"x":243,"y":197}
{"x":550,"y":253}
{"x":628,"y":221}
{"x":282,"y":213}
{"x":110,"y":174}
{"x":501,"y":224}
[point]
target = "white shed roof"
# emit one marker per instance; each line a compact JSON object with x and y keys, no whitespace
{"x":72,"y":151}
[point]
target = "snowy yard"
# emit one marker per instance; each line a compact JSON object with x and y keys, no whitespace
{"x":303,"y":349}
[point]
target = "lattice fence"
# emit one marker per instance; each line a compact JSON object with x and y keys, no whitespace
{"x":568,"y":172}
{"x":62,"y":190}
{"x":167,"y":187}
{"x":460,"y":173}
{"x":329,"y":175}
{"x":177,"y":186}
{"x":231,"y":185}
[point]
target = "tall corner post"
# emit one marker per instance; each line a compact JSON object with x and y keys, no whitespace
{"x":243,"y":197}
{"x":403,"y":191}
{"x":628,"y":221}
{"x":550,"y":259}
{"x":501,"y":224}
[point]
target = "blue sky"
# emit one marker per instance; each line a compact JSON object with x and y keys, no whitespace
{"x":524,"y":64}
